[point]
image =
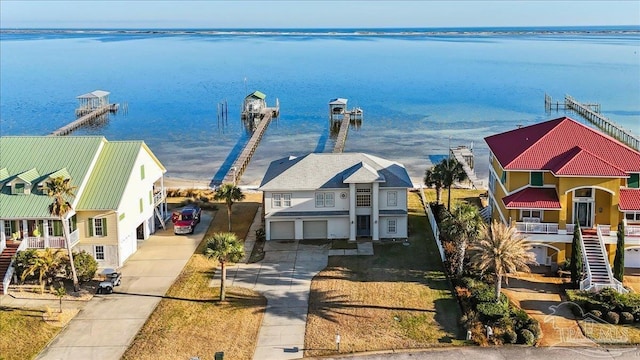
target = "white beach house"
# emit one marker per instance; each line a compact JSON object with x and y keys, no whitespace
{"x":335,"y":196}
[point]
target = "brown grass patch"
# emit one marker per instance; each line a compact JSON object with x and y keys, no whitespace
{"x":470,"y":196}
{"x":398,"y":298}
{"x":191,"y":321}
{"x":24,"y":333}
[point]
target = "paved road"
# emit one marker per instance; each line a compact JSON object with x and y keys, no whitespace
{"x":106,"y":326}
{"x":502,"y":353}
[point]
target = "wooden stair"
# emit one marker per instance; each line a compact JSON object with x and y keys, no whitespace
{"x":5,"y":261}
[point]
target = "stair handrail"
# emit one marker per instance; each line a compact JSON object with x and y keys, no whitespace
{"x":10,"y":270}
{"x":585,"y":284}
{"x":617,"y":284}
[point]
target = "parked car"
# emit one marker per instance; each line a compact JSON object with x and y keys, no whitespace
{"x":185,"y":219}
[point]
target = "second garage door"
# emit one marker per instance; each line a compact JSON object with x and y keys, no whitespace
{"x":314,"y":229}
{"x":282,"y":230}
{"x":632,"y":258}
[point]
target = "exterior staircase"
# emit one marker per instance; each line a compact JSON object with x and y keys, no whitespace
{"x":5,"y":262}
{"x":596,"y":263}
{"x":485,"y":214}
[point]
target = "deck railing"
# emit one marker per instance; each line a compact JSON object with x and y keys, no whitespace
{"x":537,"y":228}
{"x":54,"y":242}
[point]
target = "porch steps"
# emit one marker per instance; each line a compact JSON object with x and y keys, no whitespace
{"x":5,"y":261}
{"x":485,"y":213}
{"x":600,"y":273}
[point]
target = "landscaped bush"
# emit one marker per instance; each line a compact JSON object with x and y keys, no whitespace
{"x":261,"y":235}
{"x":534,"y":326}
{"x":606,"y":300}
{"x":612,"y":318}
{"x":492,"y":311}
{"x":86,"y":266}
{"x":596,"y":313}
{"x":22,"y":259}
{"x":510,"y":336}
{"x":527,"y":337}
{"x":626,"y":317}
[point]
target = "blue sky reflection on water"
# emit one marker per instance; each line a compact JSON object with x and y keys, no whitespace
{"x":416,"y":93}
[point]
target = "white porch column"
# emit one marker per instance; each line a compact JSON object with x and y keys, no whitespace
{"x":352,"y":212}
{"x":3,"y":238}
{"x":45,"y":232}
{"x":25,"y":229}
{"x":375,"y":210}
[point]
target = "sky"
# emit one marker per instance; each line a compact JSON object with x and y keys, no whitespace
{"x":315,"y":14}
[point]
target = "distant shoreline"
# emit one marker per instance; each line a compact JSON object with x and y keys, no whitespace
{"x":341,"y":32}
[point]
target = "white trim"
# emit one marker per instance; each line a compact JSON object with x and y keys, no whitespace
{"x":591,"y":186}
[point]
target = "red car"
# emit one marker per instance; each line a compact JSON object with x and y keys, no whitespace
{"x":185,"y":219}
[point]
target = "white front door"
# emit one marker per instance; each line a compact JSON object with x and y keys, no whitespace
{"x":541,"y":254}
{"x":583,"y":213}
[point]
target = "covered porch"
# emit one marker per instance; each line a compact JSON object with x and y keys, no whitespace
{"x":38,"y":233}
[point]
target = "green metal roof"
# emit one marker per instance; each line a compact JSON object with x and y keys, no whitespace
{"x":4,"y":174}
{"x":257,"y":94}
{"x":46,"y":154}
{"x":29,"y":175}
{"x":110,"y":176}
{"x":63,"y":173}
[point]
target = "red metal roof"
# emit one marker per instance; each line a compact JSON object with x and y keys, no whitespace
{"x":629,"y":200}
{"x":566,"y":146}
{"x":533,"y":198}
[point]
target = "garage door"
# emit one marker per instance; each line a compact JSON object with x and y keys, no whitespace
{"x":314,"y":229}
{"x":282,"y":230}
{"x":541,"y":254}
{"x":632,"y":258}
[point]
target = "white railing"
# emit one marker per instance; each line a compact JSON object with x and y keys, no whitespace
{"x":55,"y":242}
{"x":540,"y":228}
{"x":632,"y":230}
{"x":432,"y":222}
{"x":159,"y":197}
{"x":9,"y":274}
{"x":3,"y":243}
{"x":586,"y":283}
{"x":74,"y":238}
{"x":605,"y":230}
{"x":570,"y":228}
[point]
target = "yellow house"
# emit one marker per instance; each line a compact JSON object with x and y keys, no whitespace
{"x":549,"y":176}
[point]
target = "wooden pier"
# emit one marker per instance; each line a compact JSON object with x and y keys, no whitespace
{"x":83,"y":120}
{"x":341,"y":140}
{"x":464,"y":156}
{"x":340,"y":116}
{"x":591,"y":112}
{"x":242,"y":161}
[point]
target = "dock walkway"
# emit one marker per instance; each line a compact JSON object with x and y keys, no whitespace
{"x":67,"y":129}
{"x":240,"y":164}
{"x":460,"y":153}
{"x":342,"y":134}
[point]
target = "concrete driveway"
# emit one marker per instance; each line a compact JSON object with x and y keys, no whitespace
{"x":106,"y":326}
{"x":284,"y":278}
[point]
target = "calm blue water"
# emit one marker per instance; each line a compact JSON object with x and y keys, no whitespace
{"x":420,"y":92}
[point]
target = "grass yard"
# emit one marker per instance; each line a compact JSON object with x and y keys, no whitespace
{"x":604,"y":334}
{"x":471,"y":196}
{"x":398,"y":298}
{"x":24,"y":333}
{"x":190,"y":321}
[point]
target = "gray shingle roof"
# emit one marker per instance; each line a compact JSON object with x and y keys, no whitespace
{"x":331,"y":171}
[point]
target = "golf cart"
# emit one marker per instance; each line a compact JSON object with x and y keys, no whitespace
{"x":111,"y":278}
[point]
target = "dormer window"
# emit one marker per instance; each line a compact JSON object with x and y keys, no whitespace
{"x":20,"y":188}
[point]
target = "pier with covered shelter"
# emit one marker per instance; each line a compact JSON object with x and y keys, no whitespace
{"x":340,"y":118}
{"x":91,"y":106}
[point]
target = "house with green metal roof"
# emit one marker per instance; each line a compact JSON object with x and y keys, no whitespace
{"x":119,"y":195}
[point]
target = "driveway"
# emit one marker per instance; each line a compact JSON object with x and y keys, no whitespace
{"x":284,"y":278}
{"x":107,"y":324}
{"x":540,"y":297}
{"x":632,"y":278}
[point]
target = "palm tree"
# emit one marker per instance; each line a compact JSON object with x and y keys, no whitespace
{"x":45,"y":264}
{"x":463,"y":226}
{"x":503,"y":250}
{"x":433,"y":178}
{"x":229,"y":193}
{"x":224,"y":247}
{"x":60,"y":189}
{"x":451,"y":172}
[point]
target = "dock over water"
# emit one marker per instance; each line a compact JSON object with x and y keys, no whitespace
{"x":242,"y":161}
{"x":92,"y":106}
{"x":591,"y":112}
{"x":464,"y":156}
{"x":340,"y":116}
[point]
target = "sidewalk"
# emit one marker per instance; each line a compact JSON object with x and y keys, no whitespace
{"x":107,"y":324}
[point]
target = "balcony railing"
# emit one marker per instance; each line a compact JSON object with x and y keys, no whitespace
{"x":537,"y":228}
{"x":159,"y":197}
{"x":632,"y":230}
{"x":55,"y":242}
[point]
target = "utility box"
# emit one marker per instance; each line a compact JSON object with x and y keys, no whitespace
{"x":219,"y":355}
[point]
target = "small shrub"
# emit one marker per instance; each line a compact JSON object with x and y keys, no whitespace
{"x":596,"y":313}
{"x":534,"y":327}
{"x":22,"y":259}
{"x":626,"y":317}
{"x":484,"y":295}
{"x":261,"y":235}
{"x":526,"y":337}
{"x":612,"y":318}
{"x":492,"y":310}
{"x":86,"y":266}
{"x":509,"y":336}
